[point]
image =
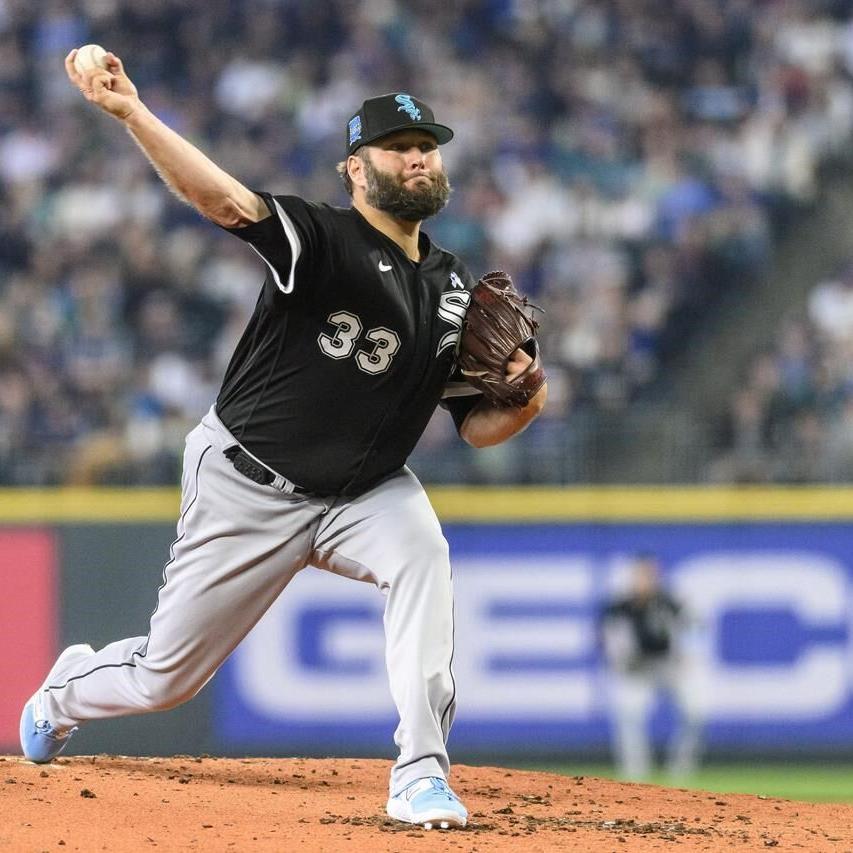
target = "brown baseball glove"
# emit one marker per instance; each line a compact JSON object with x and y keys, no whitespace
{"x":498,"y":322}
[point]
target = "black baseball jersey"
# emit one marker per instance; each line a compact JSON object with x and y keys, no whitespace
{"x":349,"y":350}
{"x":653,"y":622}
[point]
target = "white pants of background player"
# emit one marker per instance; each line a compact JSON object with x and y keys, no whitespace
{"x":633,"y":695}
{"x":238,"y":546}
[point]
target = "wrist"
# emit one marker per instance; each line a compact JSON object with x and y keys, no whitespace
{"x":136,"y":116}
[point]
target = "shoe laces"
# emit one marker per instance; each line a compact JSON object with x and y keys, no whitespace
{"x":435,"y":784}
{"x":44,"y":728}
{"x":440,"y":786}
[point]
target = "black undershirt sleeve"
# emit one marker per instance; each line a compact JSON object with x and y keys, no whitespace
{"x":459,"y":407}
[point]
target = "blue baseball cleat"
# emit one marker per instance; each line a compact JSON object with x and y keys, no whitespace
{"x":429,"y":802}
{"x":40,"y":741}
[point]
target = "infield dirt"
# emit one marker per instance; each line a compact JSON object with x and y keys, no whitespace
{"x":116,"y":803}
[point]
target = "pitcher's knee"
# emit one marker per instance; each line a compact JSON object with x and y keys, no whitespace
{"x":161,"y":691}
{"x":427,"y":561}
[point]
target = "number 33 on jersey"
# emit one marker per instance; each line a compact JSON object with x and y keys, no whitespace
{"x":385,"y":342}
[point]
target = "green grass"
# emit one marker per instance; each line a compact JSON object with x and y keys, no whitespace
{"x":817,"y":782}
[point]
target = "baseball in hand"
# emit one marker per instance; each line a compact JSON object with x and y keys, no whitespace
{"x":89,"y":57}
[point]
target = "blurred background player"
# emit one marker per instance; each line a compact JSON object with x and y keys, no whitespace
{"x":644,"y":635}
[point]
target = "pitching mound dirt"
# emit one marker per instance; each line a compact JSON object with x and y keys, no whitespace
{"x":123,"y":804}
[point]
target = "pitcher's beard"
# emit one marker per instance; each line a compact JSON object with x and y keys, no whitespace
{"x":385,"y":193}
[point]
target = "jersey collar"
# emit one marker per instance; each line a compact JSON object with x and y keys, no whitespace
{"x":424,"y":242}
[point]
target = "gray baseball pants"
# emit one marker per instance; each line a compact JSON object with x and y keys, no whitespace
{"x":633,"y":695}
{"x":238,"y":545}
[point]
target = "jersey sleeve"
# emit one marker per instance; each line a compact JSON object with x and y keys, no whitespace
{"x":289,"y":241}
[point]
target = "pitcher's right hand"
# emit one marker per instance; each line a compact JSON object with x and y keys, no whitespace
{"x":110,"y":88}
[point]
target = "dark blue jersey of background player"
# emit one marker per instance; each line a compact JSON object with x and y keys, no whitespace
{"x":653,"y":621}
{"x":643,"y":626}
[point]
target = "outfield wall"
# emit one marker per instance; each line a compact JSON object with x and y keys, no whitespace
{"x":768,"y":573}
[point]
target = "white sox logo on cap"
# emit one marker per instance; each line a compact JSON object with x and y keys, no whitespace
{"x":386,"y":114}
{"x":407,"y":105}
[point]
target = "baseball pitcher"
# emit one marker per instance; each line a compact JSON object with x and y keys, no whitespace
{"x":301,"y":460}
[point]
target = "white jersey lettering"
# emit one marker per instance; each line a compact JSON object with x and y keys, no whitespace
{"x":452,"y":306}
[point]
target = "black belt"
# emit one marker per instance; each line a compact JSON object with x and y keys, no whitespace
{"x":258,"y":473}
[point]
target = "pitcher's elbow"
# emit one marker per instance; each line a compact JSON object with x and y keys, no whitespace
{"x":224,"y":211}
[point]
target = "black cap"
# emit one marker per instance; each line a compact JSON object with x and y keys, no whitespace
{"x":386,"y":113}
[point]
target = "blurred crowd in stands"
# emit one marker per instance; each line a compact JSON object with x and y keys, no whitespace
{"x":626,"y":164}
{"x":791,"y":420}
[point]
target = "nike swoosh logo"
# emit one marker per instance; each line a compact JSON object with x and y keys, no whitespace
{"x":383,"y":267}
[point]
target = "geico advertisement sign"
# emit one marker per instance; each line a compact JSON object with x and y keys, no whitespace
{"x":770,"y":640}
